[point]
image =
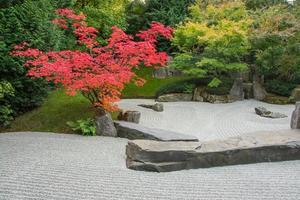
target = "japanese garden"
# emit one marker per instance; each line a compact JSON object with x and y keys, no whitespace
{"x":150,"y":99}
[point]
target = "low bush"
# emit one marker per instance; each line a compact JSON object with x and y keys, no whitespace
{"x":86,"y":127}
{"x":188,"y":86}
{"x":280,"y":87}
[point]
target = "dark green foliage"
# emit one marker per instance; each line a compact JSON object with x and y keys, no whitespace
{"x":140,"y":14}
{"x":276,"y":43}
{"x":280,"y":87}
{"x":184,"y":86}
{"x":30,"y":22}
{"x":86,"y":127}
{"x":188,"y":86}
{"x":259,"y":4}
{"x":6,"y":90}
{"x":103,"y":14}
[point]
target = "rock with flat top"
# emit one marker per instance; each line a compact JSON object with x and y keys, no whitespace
{"x":135,"y":131}
{"x":146,"y":155}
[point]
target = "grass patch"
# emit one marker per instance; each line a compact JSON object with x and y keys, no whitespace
{"x":151,"y":86}
{"x":52,"y":116}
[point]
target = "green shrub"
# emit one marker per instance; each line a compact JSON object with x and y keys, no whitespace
{"x":29,"y":21}
{"x":280,"y":87}
{"x":184,"y":86}
{"x":188,"y":86}
{"x":6,"y":90}
{"x":86,"y":127}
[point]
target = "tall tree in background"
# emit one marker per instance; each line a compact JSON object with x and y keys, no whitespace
{"x":103,"y":14}
{"x":214,"y":40}
{"x":140,"y":15}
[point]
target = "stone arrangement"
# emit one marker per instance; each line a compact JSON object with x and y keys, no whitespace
{"x":158,"y":156}
{"x":263,"y":112}
{"x":158,"y":107}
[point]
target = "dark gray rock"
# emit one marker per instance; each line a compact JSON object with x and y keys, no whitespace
{"x":158,"y":107}
{"x":237,"y":90}
{"x":259,"y":93}
{"x":105,"y":126}
{"x":263,"y":112}
{"x":130,"y":116}
{"x":136,"y":131}
{"x":248,"y":90}
{"x":200,"y":94}
{"x":157,"y":156}
{"x":175,"y":97}
{"x":295,"y":121}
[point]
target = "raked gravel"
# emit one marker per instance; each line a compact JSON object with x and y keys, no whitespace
{"x":73,"y":167}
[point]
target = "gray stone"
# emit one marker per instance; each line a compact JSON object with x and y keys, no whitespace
{"x":172,"y":156}
{"x":130,"y":116}
{"x":248,"y":90}
{"x":259,"y":93}
{"x":158,"y":107}
{"x":295,"y":121}
{"x":175,"y":97}
{"x":263,"y":112}
{"x":198,"y":94}
{"x":136,"y":131}
{"x":295,"y":95}
{"x":105,"y":126}
{"x":237,"y":90}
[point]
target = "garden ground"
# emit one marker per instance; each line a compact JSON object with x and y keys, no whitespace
{"x":60,"y":166}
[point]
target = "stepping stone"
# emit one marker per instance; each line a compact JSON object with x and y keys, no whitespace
{"x":253,"y":148}
{"x":134,"y":131}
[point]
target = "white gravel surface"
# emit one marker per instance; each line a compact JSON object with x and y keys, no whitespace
{"x":210,"y":121}
{"x":72,"y":167}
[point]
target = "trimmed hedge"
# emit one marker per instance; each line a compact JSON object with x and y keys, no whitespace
{"x":188,"y":86}
{"x":280,"y":87}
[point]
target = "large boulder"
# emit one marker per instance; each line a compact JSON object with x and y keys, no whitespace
{"x":157,"y":156}
{"x":174,"y":97}
{"x":105,"y":126}
{"x":135,"y":131}
{"x":158,"y":107}
{"x":263,"y":112}
{"x":237,"y":90}
{"x":130,"y":116}
{"x":295,"y":121}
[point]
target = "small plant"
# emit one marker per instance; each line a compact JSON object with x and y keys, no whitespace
{"x":86,"y":127}
{"x":189,"y":88}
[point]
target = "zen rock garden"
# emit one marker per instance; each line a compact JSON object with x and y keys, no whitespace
{"x":150,"y":99}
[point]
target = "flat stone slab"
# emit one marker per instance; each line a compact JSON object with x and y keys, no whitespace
{"x":135,"y":131}
{"x":252,"y":148}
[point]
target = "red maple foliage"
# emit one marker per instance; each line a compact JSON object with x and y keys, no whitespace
{"x":99,"y":72}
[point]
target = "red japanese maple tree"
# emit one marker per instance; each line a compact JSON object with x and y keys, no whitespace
{"x":98,"y":72}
